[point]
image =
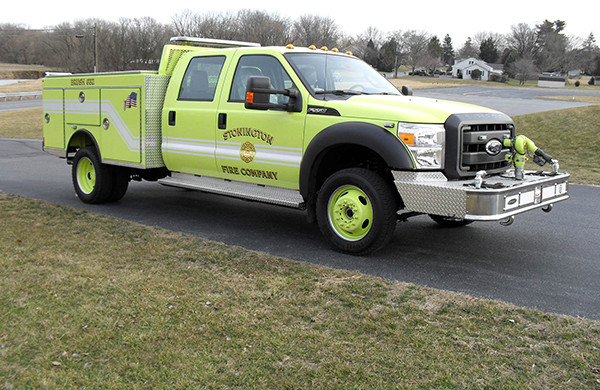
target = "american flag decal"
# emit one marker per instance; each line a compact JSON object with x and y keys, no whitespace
{"x":131,"y":101}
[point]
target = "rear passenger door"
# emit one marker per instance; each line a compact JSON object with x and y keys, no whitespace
{"x":190,"y":116}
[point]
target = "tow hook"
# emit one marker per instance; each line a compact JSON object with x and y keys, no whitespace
{"x":508,"y":221}
{"x":547,"y":209}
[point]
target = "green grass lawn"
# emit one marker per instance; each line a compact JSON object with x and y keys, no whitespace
{"x":571,"y":135}
{"x":21,"y":124}
{"x":89,"y":301}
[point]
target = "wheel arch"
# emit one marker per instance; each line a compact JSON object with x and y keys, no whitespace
{"x":363,"y":142}
{"x":80,"y":139}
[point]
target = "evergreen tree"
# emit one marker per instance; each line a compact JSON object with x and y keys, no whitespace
{"x":551,"y":43}
{"x":488,"y":51}
{"x":468,"y":50}
{"x":448,"y":56}
{"x":435,"y":48}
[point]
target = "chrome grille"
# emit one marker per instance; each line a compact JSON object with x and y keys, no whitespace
{"x":474,"y":139}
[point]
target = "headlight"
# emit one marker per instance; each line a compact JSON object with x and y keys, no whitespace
{"x":425,"y":142}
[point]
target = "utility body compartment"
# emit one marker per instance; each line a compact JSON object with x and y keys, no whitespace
{"x":121,"y":111}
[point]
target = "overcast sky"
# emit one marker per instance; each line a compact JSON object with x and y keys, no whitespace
{"x":460,"y":19}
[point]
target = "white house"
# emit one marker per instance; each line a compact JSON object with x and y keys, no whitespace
{"x":464,"y":68}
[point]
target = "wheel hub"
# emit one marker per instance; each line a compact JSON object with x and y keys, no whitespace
{"x":351,"y":213}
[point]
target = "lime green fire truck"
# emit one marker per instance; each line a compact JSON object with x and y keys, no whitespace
{"x":308,"y":128}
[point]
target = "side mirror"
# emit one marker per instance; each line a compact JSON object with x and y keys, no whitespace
{"x":406,"y":90}
{"x":258,"y":93}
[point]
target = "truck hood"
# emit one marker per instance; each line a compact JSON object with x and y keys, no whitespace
{"x":402,"y":108}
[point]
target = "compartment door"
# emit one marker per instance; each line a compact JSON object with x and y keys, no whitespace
{"x":120,"y":121}
{"x":82,"y":107}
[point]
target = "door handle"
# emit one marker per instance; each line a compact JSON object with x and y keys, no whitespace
{"x":222,"y":121}
{"x":171,"y":118}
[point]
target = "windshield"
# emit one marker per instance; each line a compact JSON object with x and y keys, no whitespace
{"x":335,"y":75}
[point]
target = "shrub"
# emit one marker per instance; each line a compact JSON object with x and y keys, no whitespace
{"x":500,"y":78}
{"x":577,"y":83}
{"x":592,"y":81}
{"x":476,"y":74}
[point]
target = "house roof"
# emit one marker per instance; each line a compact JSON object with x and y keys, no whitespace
{"x":479,"y":64}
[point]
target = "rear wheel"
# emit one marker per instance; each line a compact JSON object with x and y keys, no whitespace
{"x":356,"y":211}
{"x":92,"y":180}
{"x":120,"y":183}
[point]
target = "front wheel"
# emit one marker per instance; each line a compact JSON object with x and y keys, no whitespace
{"x":356,"y":211}
{"x":92,"y":180}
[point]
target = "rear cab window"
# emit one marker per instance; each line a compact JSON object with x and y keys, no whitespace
{"x":201,"y":78}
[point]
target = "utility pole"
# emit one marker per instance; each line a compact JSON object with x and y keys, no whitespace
{"x":95,"y":37}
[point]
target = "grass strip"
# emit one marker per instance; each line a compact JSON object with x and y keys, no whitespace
{"x":570,"y":135}
{"x":22,"y":124}
{"x":95,"y":302}
{"x":574,"y":98}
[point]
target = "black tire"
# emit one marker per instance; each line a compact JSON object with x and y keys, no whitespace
{"x":120,"y":183}
{"x":92,"y":180}
{"x":449,"y":221}
{"x":356,"y":211}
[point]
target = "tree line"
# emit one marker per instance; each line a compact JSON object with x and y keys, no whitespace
{"x":136,"y":43}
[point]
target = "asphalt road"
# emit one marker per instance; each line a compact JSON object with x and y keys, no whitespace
{"x":511,"y":101}
{"x":14,"y":105}
{"x":546,"y":261}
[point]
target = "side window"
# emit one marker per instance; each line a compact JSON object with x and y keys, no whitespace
{"x":259,"y":65}
{"x":201,"y":78}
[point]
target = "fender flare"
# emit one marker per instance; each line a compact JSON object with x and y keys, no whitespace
{"x":381,"y":141}
{"x":86,"y":133}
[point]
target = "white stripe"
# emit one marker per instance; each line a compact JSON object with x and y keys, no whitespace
{"x":91,"y":107}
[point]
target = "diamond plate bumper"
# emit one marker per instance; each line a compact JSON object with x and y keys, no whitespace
{"x":500,"y":197}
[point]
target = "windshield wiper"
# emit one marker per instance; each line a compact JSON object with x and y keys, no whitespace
{"x":340,"y":92}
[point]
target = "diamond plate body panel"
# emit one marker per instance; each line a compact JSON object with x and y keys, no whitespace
{"x":428,"y":192}
{"x":155,"y":89}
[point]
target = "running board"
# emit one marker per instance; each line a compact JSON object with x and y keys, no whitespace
{"x":248,"y":191}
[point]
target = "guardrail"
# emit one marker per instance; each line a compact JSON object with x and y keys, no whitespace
{"x":4,"y":96}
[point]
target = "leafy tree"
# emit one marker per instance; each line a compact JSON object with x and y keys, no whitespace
{"x":448,"y":56}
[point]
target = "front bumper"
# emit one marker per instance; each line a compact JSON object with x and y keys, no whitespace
{"x":499,"y":197}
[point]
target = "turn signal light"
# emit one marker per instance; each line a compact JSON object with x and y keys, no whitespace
{"x":249,"y":97}
{"x":408,"y":138}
